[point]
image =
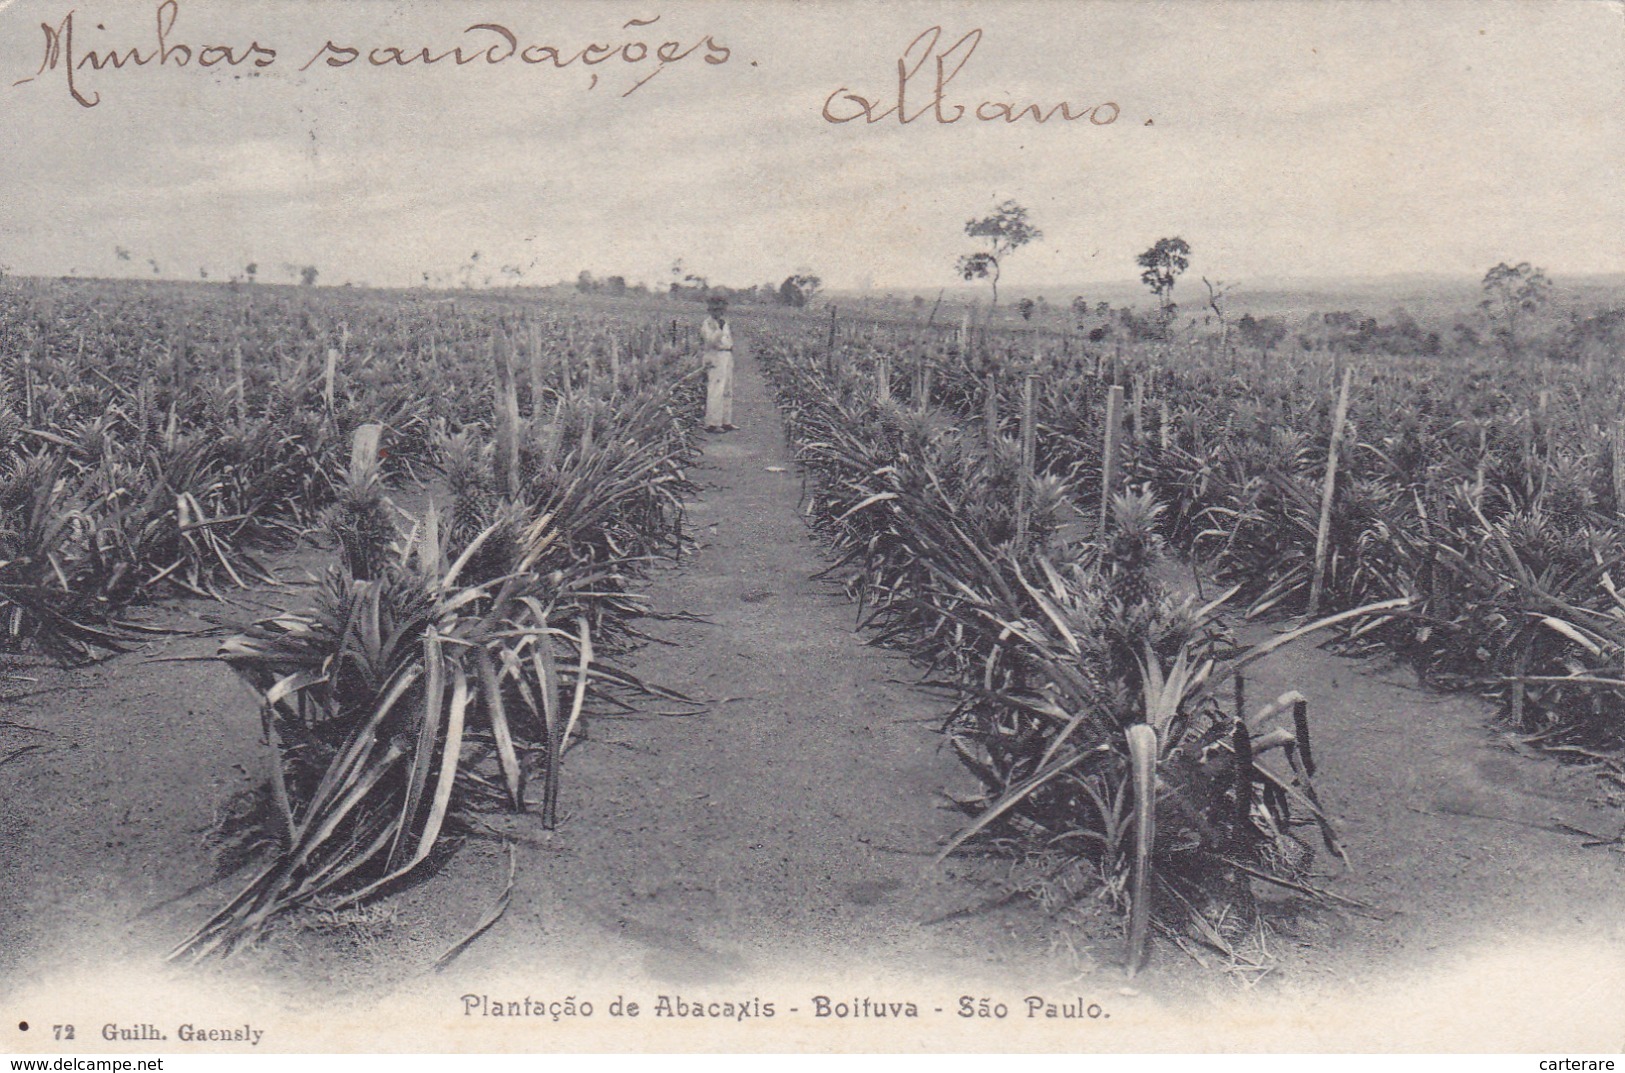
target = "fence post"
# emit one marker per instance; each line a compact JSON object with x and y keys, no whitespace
{"x":1323,"y":531}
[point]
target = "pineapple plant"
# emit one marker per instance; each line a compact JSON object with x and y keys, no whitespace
{"x":1133,"y":548}
{"x":361,"y":521}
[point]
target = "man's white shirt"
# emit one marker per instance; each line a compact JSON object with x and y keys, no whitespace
{"x":716,"y":335}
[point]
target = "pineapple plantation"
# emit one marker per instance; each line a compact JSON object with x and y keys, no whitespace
{"x":436,"y":630}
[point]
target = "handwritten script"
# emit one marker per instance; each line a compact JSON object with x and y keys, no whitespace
{"x":925,"y":75}
{"x":636,"y":54}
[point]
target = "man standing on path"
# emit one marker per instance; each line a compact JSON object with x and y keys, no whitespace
{"x":719,"y":367}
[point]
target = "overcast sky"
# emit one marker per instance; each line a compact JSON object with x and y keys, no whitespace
{"x":1325,"y":139}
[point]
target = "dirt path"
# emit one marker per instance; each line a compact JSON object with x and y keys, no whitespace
{"x":789,"y":825}
{"x":778,"y":842}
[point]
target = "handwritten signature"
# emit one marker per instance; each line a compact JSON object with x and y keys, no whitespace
{"x":930,"y":92}
{"x":488,"y":44}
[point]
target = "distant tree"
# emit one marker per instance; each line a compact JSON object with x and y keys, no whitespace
{"x":1162,"y":264}
{"x":1080,"y":306}
{"x":1149,"y":328}
{"x":1263,"y":335}
{"x":615,"y":285}
{"x":1466,"y":337}
{"x":1005,"y":231}
{"x":1591,"y":337}
{"x":797,"y":290}
{"x":585,"y":283}
{"x":307,"y":275}
{"x":121,"y":253}
{"x":1218,"y":294}
{"x":153,"y":263}
{"x":252,"y":270}
{"x":1513,"y":295}
{"x":203,"y":273}
{"x":1026,"y":307}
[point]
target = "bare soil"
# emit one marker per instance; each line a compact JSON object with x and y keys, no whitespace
{"x":778,"y":842}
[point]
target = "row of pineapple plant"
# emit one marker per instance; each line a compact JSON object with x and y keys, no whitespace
{"x":160,"y":441}
{"x":1490,"y":499}
{"x":449,"y":664}
{"x":1087,"y":695}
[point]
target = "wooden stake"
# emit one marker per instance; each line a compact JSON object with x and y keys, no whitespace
{"x":1618,"y":442}
{"x":237,"y":377}
{"x":538,"y":373}
{"x":1029,"y":425}
{"x":28,"y":388}
{"x":328,"y":378}
{"x":364,"y":450}
{"x":990,"y":411}
{"x":1165,"y":431}
{"x":1300,"y":731}
{"x":428,"y":548}
{"x":829,"y":350}
{"x":1139,"y":408}
{"x":1323,"y":531}
{"x":506,"y":407}
{"x":883,"y":380}
{"x":1109,"y":452}
{"x":1029,"y":458}
{"x":177,"y":363}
